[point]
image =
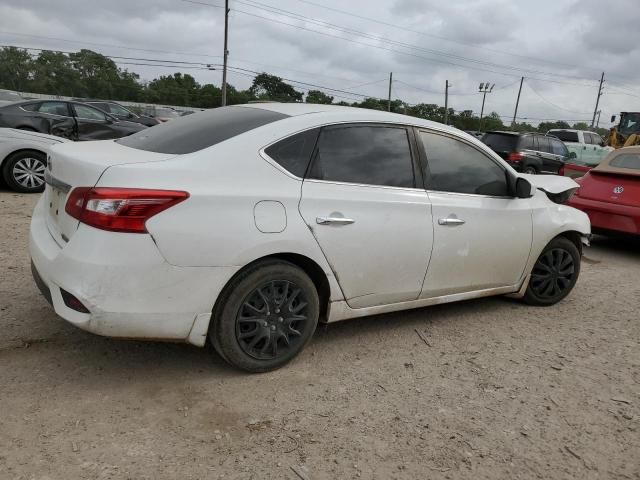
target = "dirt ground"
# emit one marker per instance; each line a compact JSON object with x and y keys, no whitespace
{"x":501,"y":390}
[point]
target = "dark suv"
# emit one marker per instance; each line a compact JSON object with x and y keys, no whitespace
{"x":529,"y":152}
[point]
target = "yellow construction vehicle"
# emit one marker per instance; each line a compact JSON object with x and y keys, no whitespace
{"x":626,"y":133}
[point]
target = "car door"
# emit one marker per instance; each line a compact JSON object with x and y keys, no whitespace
{"x":551,"y":162}
{"x":482,"y":234}
{"x":367,"y":209}
{"x":560,"y":153}
{"x":93,"y":124}
{"x":56,"y":119}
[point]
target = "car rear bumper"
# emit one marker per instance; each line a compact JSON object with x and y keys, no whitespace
{"x":124,"y":282}
{"x":609,"y":216}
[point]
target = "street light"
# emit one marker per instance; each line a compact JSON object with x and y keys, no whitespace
{"x":485,"y":87}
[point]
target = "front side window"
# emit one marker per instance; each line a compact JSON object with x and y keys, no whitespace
{"x":293,"y":153}
{"x":54,"y":108}
{"x":558,"y":148}
{"x":370,"y":155}
{"x":594,"y":138}
{"x":118,"y":109}
{"x":89,"y":113}
{"x":454,"y":166}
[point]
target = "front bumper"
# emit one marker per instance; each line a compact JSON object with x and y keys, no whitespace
{"x":125,"y":283}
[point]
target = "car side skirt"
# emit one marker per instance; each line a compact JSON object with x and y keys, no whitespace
{"x":340,"y":310}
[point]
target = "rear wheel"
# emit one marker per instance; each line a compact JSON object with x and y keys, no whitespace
{"x":265,"y":317}
{"x":529,"y":169}
{"x":24,"y":171}
{"x":554,"y":274}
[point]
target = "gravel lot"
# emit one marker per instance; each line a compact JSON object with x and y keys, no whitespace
{"x":501,"y":390}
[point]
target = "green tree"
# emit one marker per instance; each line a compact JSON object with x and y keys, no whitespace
{"x":492,"y":122}
{"x":101,"y":77}
{"x":581,"y":126}
{"x":176,"y":89}
{"x":271,"y":87}
{"x":15,"y":69}
{"x":546,"y":126}
{"x":53,"y":73}
{"x":316,"y":96}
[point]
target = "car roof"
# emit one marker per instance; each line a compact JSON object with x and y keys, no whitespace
{"x":348,"y":114}
{"x":605,"y":166}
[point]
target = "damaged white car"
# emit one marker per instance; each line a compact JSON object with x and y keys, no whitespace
{"x":248,"y":224}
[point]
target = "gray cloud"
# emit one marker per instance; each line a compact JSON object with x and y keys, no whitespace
{"x":562,"y":37}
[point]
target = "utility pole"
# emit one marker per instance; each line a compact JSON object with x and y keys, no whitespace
{"x":389,"y":99}
{"x":598,"y":121}
{"x":485,"y":88}
{"x":595,"y":110}
{"x":446,"y":102}
{"x":515,"y":112}
{"x":226,"y":53}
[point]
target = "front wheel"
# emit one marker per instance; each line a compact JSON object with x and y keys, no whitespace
{"x":265,"y":317}
{"x":554,"y":274}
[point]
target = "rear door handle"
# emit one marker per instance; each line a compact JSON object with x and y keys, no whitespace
{"x":450,"y":221}
{"x":334,"y":221}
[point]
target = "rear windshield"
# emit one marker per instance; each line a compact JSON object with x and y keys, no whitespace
{"x":501,"y":142}
{"x":626,"y":160}
{"x":201,"y":130}
{"x":565,"y":135}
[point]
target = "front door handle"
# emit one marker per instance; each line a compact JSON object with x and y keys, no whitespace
{"x":450,"y":221}
{"x":334,"y":221}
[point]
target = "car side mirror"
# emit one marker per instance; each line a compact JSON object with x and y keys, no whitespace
{"x":613,"y":118}
{"x":524,"y":189}
{"x":572,"y":155}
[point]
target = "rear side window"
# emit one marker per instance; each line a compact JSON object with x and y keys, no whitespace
{"x":30,"y":107}
{"x":528,"y":142}
{"x":454,"y":166}
{"x":201,"y":130}
{"x":543,"y":144}
{"x":565,"y":135}
{"x":293,"y":153}
{"x":501,"y":142}
{"x":54,"y":108}
{"x":626,"y":160}
{"x":370,"y":155}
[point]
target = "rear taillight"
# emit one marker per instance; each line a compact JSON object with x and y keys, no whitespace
{"x":561,"y":171}
{"x":120,"y":209}
{"x":515,"y":157}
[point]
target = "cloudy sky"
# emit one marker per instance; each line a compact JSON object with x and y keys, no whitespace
{"x":561,"y":47}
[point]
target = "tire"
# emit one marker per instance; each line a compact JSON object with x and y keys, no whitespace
{"x":554,"y":274}
{"x":530,"y":170}
{"x":24,"y":171}
{"x":249,"y":330}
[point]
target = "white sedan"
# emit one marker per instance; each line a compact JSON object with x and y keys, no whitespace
{"x":248,"y":224}
{"x":23,"y":158}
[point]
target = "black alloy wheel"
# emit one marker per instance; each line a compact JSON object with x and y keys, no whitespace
{"x":265,"y":316}
{"x":271,"y":320}
{"x":554,"y":274}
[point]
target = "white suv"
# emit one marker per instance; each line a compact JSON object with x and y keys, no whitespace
{"x":249,"y":224}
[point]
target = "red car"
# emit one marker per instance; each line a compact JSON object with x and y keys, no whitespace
{"x":610,"y":193}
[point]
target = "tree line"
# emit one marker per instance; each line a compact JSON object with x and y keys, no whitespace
{"x":88,"y":74}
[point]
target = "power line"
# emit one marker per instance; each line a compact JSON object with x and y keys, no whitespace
{"x":406,"y":29}
{"x":551,"y":103}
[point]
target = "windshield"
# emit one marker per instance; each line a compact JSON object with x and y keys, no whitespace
{"x":629,"y":123}
{"x":166,"y":112}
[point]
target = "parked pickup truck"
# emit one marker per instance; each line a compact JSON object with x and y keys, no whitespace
{"x":588,"y":146}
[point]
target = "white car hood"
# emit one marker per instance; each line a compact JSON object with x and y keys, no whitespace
{"x":553,"y":184}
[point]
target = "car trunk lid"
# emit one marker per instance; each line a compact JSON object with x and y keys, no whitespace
{"x":71,"y":165}
{"x":611,"y":187}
